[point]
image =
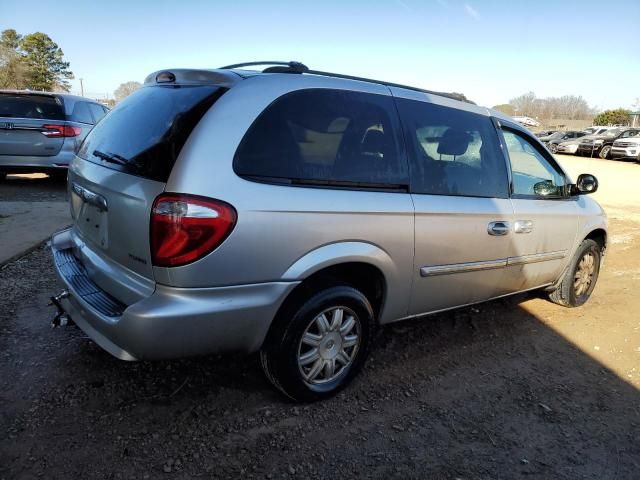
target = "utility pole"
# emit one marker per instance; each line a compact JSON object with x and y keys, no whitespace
{"x":81,"y":88}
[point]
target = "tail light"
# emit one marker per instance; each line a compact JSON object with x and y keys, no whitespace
{"x":57,"y":131}
{"x":185,"y":228}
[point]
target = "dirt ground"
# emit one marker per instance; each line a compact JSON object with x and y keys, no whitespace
{"x":515,"y":388}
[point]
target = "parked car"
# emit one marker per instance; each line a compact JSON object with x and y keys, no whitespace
{"x":626,"y":148}
{"x":568,"y":147}
{"x":293,"y":212}
{"x":596,"y":130}
{"x":544,"y":133}
{"x":600,"y":145}
{"x":552,"y":141}
{"x":39,"y":132}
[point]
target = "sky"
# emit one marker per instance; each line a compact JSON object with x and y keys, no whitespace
{"x":490,"y":50}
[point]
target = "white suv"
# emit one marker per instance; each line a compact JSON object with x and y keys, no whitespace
{"x":626,"y":148}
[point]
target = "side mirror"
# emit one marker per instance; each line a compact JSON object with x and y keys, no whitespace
{"x":586,"y":184}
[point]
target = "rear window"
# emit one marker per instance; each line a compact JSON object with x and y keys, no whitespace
{"x":325,"y":137}
{"x":31,"y":106}
{"x":143,"y":135}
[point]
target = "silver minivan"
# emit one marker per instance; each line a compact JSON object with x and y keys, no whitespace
{"x":40,"y":131}
{"x":292,"y":212}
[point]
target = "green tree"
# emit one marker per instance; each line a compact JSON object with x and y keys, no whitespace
{"x":505,"y":108}
{"x":12,"y":67}
{"x":10,"y":39}
{"x":46,"y":68}
{"x":619,"y":116}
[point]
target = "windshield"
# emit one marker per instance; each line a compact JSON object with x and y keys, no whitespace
{"x":553,"y":136}
{"x":614,"y":132}
{"x":143,"y":135}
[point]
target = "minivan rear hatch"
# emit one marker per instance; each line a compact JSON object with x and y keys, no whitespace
{"x":124,"y":163}
{"x":31,"y":124}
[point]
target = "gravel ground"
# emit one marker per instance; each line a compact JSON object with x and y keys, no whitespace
{"x":515,"y":388}
{"x":36,"y":187}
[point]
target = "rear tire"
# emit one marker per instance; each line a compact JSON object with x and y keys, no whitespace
{"x":315,"y":348}
{"x":581,"y":276}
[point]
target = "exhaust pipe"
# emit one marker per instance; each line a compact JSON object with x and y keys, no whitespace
{"x":61,"y":319}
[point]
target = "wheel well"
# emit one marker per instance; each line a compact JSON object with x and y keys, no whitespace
{"x":362,"y":276}
{"x":599,"y":236}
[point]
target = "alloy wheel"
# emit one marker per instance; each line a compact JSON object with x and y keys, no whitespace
{"x":584,"y":274}
{"x":329,"y":345}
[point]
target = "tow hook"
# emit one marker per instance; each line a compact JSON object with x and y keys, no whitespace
{"x":61,"y":319}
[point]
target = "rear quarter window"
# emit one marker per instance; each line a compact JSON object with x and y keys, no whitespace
{"x":144,"y":134}
{"x":321,"y":136}
{"x":81,"y":113}
{"x":31,"y":106}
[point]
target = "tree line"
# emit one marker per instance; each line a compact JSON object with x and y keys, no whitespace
{"x":32,"y":61}
{"x":569,"y":107}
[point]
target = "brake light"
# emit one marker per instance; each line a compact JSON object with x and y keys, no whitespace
{"x":57,"y":131}
{"x":185,"y":228}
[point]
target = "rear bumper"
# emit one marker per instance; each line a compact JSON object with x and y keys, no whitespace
{"x":171,"y":322}
{"x":19,"y":163}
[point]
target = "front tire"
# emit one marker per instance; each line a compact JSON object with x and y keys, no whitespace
{"x":554,"y":148}
{"x":317,"y":347}
{"x":580,"y":278}
{"x":604,"y":152}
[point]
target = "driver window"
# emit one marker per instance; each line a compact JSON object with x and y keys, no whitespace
{"x":533,"y":175}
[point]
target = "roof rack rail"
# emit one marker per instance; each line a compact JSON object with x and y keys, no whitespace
{"x":454,"y":96}
{"x":289,"y":67}
{"x":297,"y":67}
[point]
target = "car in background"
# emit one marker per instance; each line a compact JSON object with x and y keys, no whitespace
{"x":596,"y":129}
{"x":600,"y":145}
{"x":552,"y":141}
{"x":39,"y":132}
{"x":568,"y":147}
{"x":544,"y":133}
{"x":626,"y":148}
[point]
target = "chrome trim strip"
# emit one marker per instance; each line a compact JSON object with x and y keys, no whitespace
{"x":462,"y":267}
{"x":536,"y":257}
{"x":431,"y":271}
{"x":90,"y":197}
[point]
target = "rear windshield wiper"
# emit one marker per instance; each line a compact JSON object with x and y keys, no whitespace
{"x":111,"y":158}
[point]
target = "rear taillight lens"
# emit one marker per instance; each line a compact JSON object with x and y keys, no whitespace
{"x":57,"y":131}
{"x":185,"y":228}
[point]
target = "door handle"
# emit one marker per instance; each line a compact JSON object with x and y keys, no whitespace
{"x":498,"y":228}
{"x":523,"y":226}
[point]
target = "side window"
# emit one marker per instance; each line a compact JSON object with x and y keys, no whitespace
{"x":452,"y":152}
{"x":324,"y":136}
{"x":533,"y":175}
{"x":97,"y":111}
{"x":81,"y":113}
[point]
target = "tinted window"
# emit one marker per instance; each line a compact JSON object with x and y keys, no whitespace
{"x":143,"y":134}
{"x":330,"y":136}
{"x":81,"y":113}
{"x":31,"y":106}
{"x":532,"y":173}
{"x":452,"y":152}
{"x":97,"y":111}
